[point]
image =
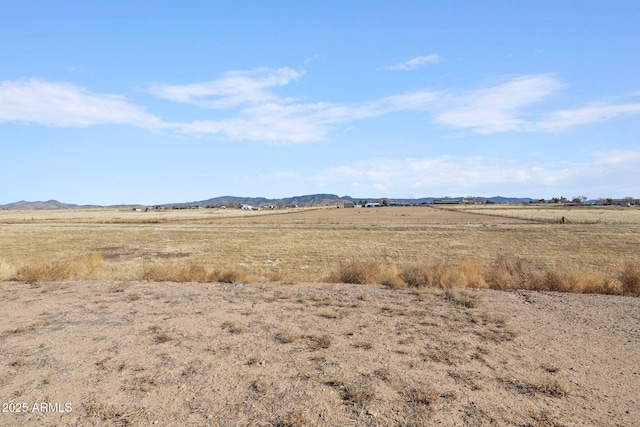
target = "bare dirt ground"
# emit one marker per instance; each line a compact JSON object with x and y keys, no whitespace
{"x":304,"y":354}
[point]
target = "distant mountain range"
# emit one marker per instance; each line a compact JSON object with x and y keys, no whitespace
{"x":51,"y":204}
{"x":311,"y":200}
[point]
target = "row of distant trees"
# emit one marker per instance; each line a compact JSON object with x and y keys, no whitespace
{"x":580,"y":200}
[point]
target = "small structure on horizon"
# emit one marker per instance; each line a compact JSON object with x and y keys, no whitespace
{"x":446,"y":201}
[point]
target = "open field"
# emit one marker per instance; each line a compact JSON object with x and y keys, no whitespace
{"x":323,"y":317}
{"x":553,"y":214}
{"x":414,"y":245}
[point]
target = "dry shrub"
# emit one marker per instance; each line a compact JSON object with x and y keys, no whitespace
{"x":473,"y":275}
{"x":109,"y":414}
{"x":277,"y":276}
{"x":230,"y":275}
{"x":41,"y":271}
{"x":552,"y":387}
{"x":630,"y":279}
{"x":441,"y":275}
{"x":286,"y":336}
{"x":389,"y":277}
{"x":463,"y":298}
{"x":134,"y":296}
{"x":578,"y":280}
{"x":418,"y":276}
{"x":359,"y":394}
{"x":319,"y":342}
{"x":424,"y":396}
{"x":261,"y":386}
{"x":233,"y":327}
{"x":449,"y":276}
{"x":160,"y":336}
{"x":7,"y":270}
{"x":293,"y":418}
{"x":173,"y":272}
{"x":509,"y":272}
{"x":90,"y":266}
{"x":393,"y":282}
{"x":358,"y":272}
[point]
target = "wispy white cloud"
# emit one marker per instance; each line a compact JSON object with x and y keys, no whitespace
{"x":498,"y":108}
{"x":234,"y":89}
{"x":565,"y":119}
{"x":258,"y":113}
{"x":252,"y":109}
{"x":66,"y":105}
{"x":503,"y":108}
{"x":413,"y":63}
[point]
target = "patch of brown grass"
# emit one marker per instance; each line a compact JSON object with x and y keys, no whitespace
{"x":44,"y":271}
{"x":319,"y":342}
{"x":419,"y":275}
{"x":90,"y":266}
{"x":175,"y":272}
{"x":231,"y":275}
{"x":578,"y":280}
{"x":473,"y":273}
{"x":552,"y":387}
{"x":460,"y":297}
{"x":134,"y":296}
{"x":424,"y":396}
{"x":294,"y":418}
{"x":510,"y":272}
{"x":233,"y":327}
{"x":115,"y":414}
{"x":549,"y":386}
{"x":287,"y":336}
{"x":630,"y":279}
{"x":358,"y":272}
{"x":359,"y":394}
{"x":159,"y":335}
{"x":365,"y":345}
{"x":465,"y":272}
{"x":261,"y":386}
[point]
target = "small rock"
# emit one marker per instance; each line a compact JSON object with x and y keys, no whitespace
{"x":371,"y":413}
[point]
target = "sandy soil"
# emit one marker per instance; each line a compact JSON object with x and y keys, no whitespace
{"x":285,"y":354}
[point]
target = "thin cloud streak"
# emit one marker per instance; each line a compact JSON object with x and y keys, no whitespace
{"x":566,"y":119}
{"x":498,"y":108}
{"x":414,"y":63}
{"x":300,"y":123}
{"x":234,"y":89}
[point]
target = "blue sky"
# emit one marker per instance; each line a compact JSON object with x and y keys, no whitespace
{"x":109,"y":102}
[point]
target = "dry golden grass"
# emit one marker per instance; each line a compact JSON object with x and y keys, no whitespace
{"x":630,"y":279}
{"x":553,"y":214}
{"x":401,"y":246}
